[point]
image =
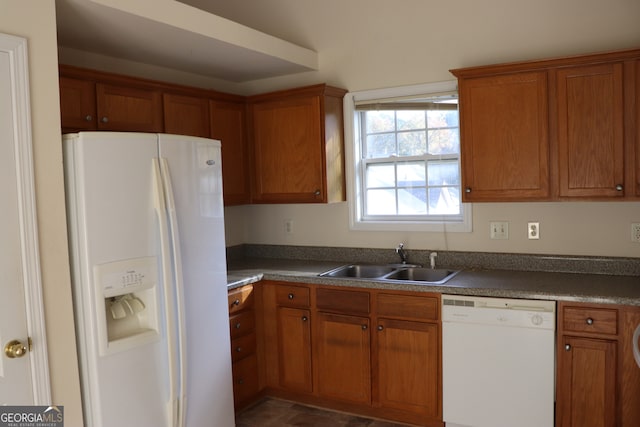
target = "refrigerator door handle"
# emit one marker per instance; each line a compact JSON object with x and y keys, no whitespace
{"x":636,"y":350}
{"x":179,"y":288}
{"x":173,"y":406}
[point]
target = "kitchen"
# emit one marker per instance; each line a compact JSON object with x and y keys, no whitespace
{"x":473,"y":36}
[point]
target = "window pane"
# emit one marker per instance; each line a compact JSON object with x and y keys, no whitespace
{"x":381,"y":145}
{"x":444,"y":201}
{"x":412,"y":201}
{"x":443,"y":172}
{"x":411,"y":174}
{"x":410,"y":119}
{"x":381,"y":175}
{"x":444,"y":141}
{"x":380,"y":121}
{"x":442,"y":118}
{"x":412,"y":143}
{"x":381,"y":202}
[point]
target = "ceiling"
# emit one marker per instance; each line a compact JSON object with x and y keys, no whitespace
{"x":175,"y":35}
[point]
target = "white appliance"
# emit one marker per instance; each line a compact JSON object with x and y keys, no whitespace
{"x":145,"y":218}
{"x":498,"y":362}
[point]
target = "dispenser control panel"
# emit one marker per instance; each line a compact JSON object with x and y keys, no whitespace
{"x":126,"y":276}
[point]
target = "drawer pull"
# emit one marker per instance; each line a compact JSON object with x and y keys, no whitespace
{"x":291,"y":296}
{"x":88,"y":118}
{"x":305,"y":318}
{"x":589,"y":321}
{"x":619,"y":187}
{"x":467,"y":190}
{"x":567,"y":347}
{"x":365,"y":327}
{"x":236,"y":302}
{"x":238,"y":349}
{"x":380,"y":327}
{"x":105,"y":120}
{"x":238,"y":325}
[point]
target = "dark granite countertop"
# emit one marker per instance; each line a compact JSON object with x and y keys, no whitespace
{"x":598,"y":288}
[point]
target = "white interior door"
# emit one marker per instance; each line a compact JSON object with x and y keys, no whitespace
{"x":24,"y":378}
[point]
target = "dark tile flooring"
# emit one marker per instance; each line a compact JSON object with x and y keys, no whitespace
{"x":280,"y":413}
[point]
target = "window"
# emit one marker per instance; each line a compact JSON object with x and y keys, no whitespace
{"x":406,"y":160}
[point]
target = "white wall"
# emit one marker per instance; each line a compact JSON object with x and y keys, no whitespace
{"x":35,"y":21}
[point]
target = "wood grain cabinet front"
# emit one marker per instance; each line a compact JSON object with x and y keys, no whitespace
{"x":77,"y":105}
{"x":598,"y":380}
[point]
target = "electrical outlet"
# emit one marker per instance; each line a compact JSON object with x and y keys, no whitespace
{"x":635,"y":232}
{"x":499,"y":230}
{"x":533,"y":230}
{"x":288,"y":226}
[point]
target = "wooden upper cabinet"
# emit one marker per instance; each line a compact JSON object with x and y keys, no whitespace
{"x":298,"y":148}
{"x":228,"y":124}
{"x":77,"y":104}
{"x":551,"y":129}
{"x":186,"y":115}
{"x":123,"y":108}
{"x":505,"y":137}
{"x":591,"y":130}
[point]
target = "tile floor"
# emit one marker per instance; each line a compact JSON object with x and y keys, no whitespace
{"x":280,"y":413}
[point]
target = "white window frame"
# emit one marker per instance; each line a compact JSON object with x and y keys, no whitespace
{"x":354,"y":178}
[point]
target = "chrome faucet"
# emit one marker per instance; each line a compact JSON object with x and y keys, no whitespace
{"x":401,"y":252}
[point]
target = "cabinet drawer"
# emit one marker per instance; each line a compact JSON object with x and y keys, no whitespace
{"x":408,"y":306}
{"x":241,"y":324}
{"x":245,"y":379}
{"x":242,"y":347}
{"x":342,"y":301}
{"x":590,"y":319}
{"x":240,"y":299}
{"x":292,"y":296}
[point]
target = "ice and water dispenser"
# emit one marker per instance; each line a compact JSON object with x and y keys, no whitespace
{"x":127,"y":311}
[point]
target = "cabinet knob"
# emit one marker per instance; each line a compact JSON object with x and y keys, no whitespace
{"x":238,"y":349}
{"x":290,"y":296}
{"x":364,"y":327}
{"x":240,"y":381}
{"x":238,"y":325}
{"x":236,"y":302}
{"x":567,"y":347}
{"x":467,"y":190}
{"x":305,"y":318}
{"x":317,"y":192}
{"x":619,"y":187}
{"x":380,"y":327}
{"x":105,"y":119}
{"x":88,"y":117}
{"x":589,"y":321}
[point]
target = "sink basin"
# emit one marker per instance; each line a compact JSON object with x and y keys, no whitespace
{"x":360,"y":271}
{"x":427,"y":275}
{"x":392,"y":272}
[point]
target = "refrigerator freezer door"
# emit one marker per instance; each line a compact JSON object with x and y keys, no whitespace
{"x":111,"y":218}
{"x":194,"y":165}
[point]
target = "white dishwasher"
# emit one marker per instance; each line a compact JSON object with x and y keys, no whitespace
{"x":498,"y":362}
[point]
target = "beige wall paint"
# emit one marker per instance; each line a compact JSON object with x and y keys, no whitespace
{"x":35,"y":21}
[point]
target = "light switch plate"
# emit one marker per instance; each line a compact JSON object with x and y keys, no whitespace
{"x":499,"y":230}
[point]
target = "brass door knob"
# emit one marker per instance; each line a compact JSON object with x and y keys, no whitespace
{"x":14,"y":349}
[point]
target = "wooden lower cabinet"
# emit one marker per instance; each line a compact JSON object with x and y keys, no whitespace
{"x":407,"y":367}
{"x":355,"y":350}
{"x":294,"y":348}
{"x":598,"y":380}
{"x":343,"y":357}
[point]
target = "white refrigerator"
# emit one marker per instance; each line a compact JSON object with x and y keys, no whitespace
{"x":146,"y":231}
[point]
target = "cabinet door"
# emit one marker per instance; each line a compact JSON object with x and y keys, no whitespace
{"x":186,"y":115}
{"x":505,"y":141}
{"x":77,"y":104}
{"x":294,"y":349}
{"x":227,"y":120}
{"x":586,"y":383}
{"x":288,"y":147}
{"x":343,"y":357}
{"x":128,"y":109}
{"x":591,"y":131}
{"x":408,"y":367}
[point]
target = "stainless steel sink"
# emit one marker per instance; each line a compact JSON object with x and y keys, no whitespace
{"x":359,"y":271}
{"x":392,"y":272}
{"x":427,"y":275}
